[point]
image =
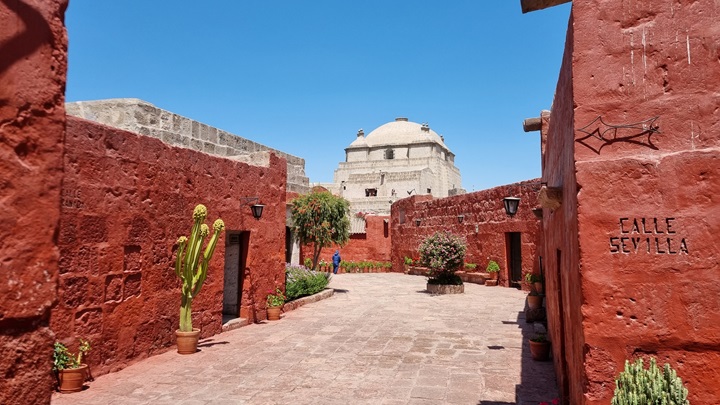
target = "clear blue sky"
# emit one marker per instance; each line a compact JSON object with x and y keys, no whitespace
{"x":304,"y":76}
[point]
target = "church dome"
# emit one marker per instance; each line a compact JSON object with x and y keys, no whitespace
{"x":402,"y":132}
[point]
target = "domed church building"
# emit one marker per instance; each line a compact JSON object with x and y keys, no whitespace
{"x":397,"y":159}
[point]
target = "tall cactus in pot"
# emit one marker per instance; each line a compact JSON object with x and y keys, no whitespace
{"x":191,"y":264}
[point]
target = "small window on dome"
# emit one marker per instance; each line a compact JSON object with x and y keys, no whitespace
{"x":389,"y":154}
{"x":370,"y":192}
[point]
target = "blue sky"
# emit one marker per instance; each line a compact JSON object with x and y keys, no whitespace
{"x":304,"y":76}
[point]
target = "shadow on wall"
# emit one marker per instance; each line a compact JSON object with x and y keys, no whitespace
{"x":29,"y":40}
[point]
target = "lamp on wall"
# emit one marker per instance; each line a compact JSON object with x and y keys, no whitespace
{"x":511,"y":205}
{"x":461,"y":218}
{"x":417,"y":221}
{"x":257,"y":209}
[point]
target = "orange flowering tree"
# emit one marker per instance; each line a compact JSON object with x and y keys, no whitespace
{"x":320,"y":219}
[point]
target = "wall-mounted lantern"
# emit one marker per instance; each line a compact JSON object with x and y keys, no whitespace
{"x":417,"y":221}
{"x":461,"y":218}
{"x":511,"y":205}
{"x":257,"y":209}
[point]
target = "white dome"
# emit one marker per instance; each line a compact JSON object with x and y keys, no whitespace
{"x":401,"y":132}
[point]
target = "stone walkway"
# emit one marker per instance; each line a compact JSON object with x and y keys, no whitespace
{"x":379,"y":340}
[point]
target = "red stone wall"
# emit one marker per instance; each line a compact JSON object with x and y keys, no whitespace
{"x":373,"y":245}
{"x":126,"y":200}
{"x":33,"y":51}
{"x":561,"y":250}
{"x":643,"y":275}
{"x":484,"y":226}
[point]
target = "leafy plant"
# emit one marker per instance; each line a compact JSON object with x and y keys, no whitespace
{"x":408,"y":261}
{"x":492,"y":267}
{"x":301,"y":281}
{"x":63,"y":359}
{"x":445,"y":278}
{"x":275,"y":298}
{"x":320,"y":219}
{"x":191,"y":264}
{"x":639,"y":386}
{"x":443,"y":253}
{"x":470,"y":266}
{"x":540,"y":338}
{"x":307,"y":262}
{"x":533,"y":278}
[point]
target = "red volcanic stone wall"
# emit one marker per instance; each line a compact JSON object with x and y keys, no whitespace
{"x":126,"y":200}
{"x":484,"y":226}
{"x":561,"y":250}
{"x":642,"y":280}
{"x":373,"y":245}
{"x":33,"y":51}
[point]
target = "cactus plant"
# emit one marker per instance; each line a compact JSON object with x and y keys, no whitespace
{"x":639,"y":386}
{"x":191,"y":264}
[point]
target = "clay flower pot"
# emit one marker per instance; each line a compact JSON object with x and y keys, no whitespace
{"x":72,"y":379}
{"x":534,"y":301}
{"x":273,"y":313}
{"x":540,"y":351}
{"x":187,"y":341}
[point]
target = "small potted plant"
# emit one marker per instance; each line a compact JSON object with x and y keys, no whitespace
{"x":492,"y":269}
{"x":191,"y":267}
{"x":540,"y":347}
{"x":534,"y":298}
{"x":275,"y":301}
{"x":71,"y":371}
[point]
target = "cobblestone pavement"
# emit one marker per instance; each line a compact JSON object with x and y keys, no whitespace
{"x":381,"y":339}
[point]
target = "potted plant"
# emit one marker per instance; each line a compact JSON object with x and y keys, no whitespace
{"x":275,"y":301}
{"x":71,"y":371}
{"x":492,"y":269}
{"x":191,"y":267}
{"x":443,"y":253}
{"x":535,"y":281}
{"x":540,"y":347}
{"x":534,"y":298}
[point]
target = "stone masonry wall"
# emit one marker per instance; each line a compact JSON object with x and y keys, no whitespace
{"x":33,"y":63}
{"x":645,"y":144}
{"x":373,"y":245}
{"x":484,"y":226}
{"x":126,"y":200}
{"x":143,"y":118}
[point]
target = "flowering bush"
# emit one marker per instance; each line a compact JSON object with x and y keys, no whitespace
{"x":276,"y":298}
{"x":301,"y":281}
{"x":443,"y":253}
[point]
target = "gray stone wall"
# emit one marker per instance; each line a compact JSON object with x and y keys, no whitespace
{"x":141,"y":117}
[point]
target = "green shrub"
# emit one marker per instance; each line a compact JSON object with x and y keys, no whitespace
{"x":470,"y":266}
{"x":301,"y":282}
{"x":639,"y":386}
{"x":492,"y":267}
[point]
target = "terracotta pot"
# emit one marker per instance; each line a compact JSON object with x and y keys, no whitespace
{"x":72,"y":379}
{"x":493,"y":275}
{"x":273,"y":313}
{"x":491,"y":283}
{"x":538,"y":287}
{"x":187,"y":341}
{"x":534,"y":301}
{"x":540,"y":351}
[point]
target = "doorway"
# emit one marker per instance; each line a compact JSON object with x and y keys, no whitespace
{"x":514,"y":258}
{"x":236,"y":249}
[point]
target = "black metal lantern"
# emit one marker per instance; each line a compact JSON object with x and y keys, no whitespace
{"x":511,"y":205}
{"x":257,"y":210}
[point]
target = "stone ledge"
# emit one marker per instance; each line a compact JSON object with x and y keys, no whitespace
{"x":293,"y":305}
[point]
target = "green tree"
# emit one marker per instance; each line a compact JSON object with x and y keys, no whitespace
{"x":321,"y":219}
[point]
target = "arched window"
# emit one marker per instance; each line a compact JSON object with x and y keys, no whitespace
{"x":389,"y":153}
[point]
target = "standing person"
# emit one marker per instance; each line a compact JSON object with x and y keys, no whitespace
{"x":336,"y":261}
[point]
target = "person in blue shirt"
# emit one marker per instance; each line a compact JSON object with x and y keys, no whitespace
{"x":336,"y":261}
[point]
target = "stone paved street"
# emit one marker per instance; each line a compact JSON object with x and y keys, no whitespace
{"x":379,"y":340}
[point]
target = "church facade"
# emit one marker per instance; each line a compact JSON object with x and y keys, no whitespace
{"x":395,"y":160}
